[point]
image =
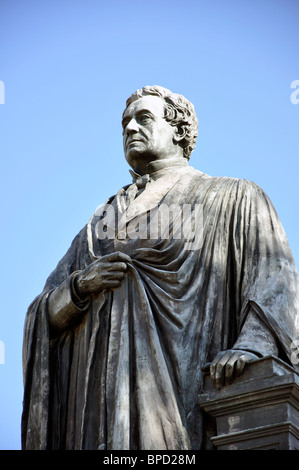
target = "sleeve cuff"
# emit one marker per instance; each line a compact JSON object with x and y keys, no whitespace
{"x":64,"y":304}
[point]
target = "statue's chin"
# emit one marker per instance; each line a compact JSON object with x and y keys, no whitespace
{"x":138,"y":161}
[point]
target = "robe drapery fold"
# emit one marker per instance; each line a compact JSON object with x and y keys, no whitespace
{"x":126,"y":373}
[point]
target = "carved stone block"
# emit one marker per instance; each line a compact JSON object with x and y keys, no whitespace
{"x":260,"y":410}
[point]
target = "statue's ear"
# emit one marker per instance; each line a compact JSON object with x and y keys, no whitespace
{"x":180,"y":132}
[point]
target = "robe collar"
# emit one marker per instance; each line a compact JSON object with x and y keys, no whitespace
{"x":155,"y":170}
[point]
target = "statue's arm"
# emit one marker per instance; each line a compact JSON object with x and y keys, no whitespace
{"x":70,"y":300}
{"x":256,"y":337}
{"x":255,"y":340}
{"x":260,"y":251}
{"x":64,"y":304}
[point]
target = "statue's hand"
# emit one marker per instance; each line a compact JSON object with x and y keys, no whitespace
{"x":229,"y":365}
{"x":106,"y":272}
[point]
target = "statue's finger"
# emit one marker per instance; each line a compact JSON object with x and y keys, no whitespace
{"x":206,"y":367}
{"x":117,"y":266}
{"x":219,"y":377}
{"x":119,"y":256}
{"x":230,"y":368}
{"x":240,"y":365}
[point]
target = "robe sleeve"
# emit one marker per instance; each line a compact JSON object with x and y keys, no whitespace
{"x":36,"y":354}
{"x":64,"y":305}
{"x":256,"y":337}
{"x":267,"y":275}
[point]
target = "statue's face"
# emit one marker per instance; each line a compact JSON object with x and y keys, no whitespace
{"x":147,"y":136}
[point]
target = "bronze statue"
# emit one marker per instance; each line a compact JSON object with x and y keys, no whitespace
{"x":115,"y":344}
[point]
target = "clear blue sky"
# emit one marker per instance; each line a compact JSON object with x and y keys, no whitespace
{"x":68,"y":67}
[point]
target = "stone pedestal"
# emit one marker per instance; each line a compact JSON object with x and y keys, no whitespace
{"x":260,"y":410}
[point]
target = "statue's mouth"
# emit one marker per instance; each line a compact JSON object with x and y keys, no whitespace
{"x":132,"y":141}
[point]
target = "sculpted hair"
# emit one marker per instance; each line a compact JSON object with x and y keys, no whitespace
{"x":179,"y":112}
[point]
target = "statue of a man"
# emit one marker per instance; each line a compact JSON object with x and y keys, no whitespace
{"x":115,"y":344}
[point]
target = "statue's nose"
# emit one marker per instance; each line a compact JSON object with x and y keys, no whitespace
{"x":132,"y":126}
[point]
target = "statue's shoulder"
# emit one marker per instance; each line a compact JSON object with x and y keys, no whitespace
{"x":226,"y":181}
{"x":237,"y":188}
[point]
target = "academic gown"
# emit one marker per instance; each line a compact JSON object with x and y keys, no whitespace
{"x":126,"y":372}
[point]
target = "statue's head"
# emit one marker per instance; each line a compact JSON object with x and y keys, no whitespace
{"x":177,"y":111}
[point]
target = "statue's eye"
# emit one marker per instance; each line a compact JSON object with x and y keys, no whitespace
{"x":143,"y":118}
